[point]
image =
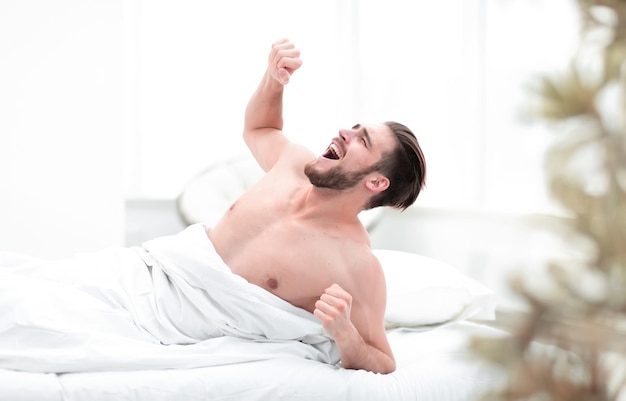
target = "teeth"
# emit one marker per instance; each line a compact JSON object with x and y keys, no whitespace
{"x":335,"y":149}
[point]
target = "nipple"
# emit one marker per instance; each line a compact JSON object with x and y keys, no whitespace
{"x":272,"y":283}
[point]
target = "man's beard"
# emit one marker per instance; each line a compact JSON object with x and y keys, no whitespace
{"x":335,"y":178}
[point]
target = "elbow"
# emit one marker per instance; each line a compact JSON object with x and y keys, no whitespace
{"x":383,"y":367}
{"x":388,"y":368}
{"x":246,"y":136}
{"x":250,"y":138}
{"x":388,"y":365}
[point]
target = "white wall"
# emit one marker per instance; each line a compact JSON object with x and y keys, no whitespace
{"x":105,"y":100}
{"x":452,"y":70}
{"x":61,"y":173}
{"x":197,"y":62}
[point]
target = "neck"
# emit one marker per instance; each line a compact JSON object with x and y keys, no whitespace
{"x":324,"y":203}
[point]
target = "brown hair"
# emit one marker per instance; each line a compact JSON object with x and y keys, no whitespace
{"x":405,"y":167}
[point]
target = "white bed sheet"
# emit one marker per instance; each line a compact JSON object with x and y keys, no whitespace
{"x":431,"y":365}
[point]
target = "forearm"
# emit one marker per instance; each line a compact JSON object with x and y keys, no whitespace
{"x":357,"y":354}
{"x":265,"y":107}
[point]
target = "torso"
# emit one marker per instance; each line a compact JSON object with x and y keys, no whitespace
{"x":265,"y":238}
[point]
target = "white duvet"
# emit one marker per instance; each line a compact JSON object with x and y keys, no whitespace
{"x":432,"y":365}
{"x":172,"y":303}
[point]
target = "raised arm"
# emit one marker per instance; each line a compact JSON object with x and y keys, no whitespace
{"x":264,"y":113}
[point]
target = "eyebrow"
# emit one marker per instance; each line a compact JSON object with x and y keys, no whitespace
{"x":367,"y":134}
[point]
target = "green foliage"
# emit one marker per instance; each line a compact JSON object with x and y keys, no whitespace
{"x":584,"y":314}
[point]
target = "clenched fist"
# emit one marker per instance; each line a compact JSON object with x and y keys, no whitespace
{"x":333,"y":311}
{"x":283,"y":60}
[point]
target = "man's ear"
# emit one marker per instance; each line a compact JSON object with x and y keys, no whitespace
{"x":377,"y":183}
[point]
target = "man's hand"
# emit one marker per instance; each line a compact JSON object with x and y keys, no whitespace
{"x":283,"y":60}
{"x":333,"y":311}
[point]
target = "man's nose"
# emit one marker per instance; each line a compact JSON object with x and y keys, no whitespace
{"x":346,"y":134}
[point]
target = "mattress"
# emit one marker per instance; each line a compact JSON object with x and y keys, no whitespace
{"x":434,"y":364}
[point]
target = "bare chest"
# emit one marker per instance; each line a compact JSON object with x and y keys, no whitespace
{"x":296,"y":261}
{"x":293,"y":263}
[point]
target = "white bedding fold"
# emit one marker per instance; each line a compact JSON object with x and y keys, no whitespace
{"x":171,"y":303}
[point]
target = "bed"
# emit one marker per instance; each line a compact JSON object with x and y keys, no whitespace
{"x":433,"y":312}
{"x":432,"y":365}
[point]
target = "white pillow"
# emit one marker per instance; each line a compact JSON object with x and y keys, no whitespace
{"x":425,"y":292}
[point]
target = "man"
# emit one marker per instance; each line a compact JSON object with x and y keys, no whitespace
{"x":297,"y":234}
{"x":194,"y":298}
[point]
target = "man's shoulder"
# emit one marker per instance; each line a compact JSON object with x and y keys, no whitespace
{"x":365,"y":267}
{"x":367,"y":282}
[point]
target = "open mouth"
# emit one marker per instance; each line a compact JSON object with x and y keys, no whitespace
{"x":333,"y":152}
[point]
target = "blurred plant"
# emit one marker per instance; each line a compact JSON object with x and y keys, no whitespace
{"x":581,"y":320}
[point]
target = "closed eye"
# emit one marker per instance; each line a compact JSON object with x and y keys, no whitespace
{"x":367,"y":141}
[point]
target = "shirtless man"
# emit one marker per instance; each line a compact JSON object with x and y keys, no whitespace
{"x":297,"y":234}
